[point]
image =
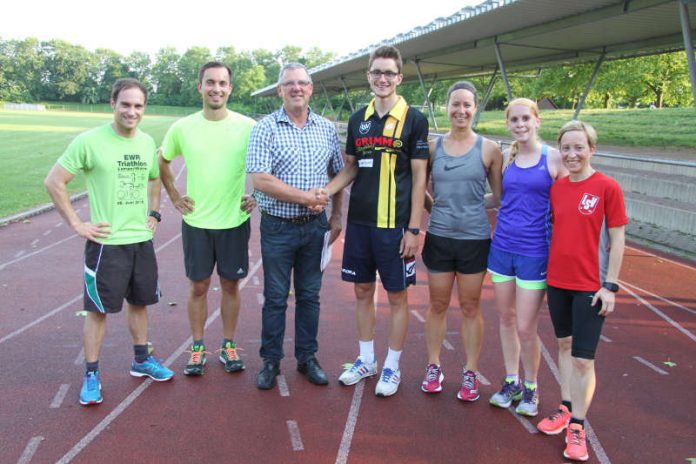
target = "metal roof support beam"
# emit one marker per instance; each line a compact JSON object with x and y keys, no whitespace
{"x":501,"y":65}
{"x":328,"y":100}
{"x":425,"y":94}
{"x":581,"y":103}
{"x":688,"y":45}
{"x":345,"y":94}
{"x":486,"y":97}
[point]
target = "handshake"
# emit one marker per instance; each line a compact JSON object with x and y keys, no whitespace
{"x":316,"y":199}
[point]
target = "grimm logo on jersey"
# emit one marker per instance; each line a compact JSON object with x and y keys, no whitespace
{"x":364,"y":127}
{"x":588,"y":203}
{"x":378,"y":142}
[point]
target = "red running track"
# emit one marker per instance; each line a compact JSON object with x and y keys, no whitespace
{"x":642,"y":411}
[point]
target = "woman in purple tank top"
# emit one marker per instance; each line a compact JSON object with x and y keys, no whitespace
{"x":519,"y":253}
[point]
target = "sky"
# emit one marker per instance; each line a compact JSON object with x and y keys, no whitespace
{"x":339,"y":27}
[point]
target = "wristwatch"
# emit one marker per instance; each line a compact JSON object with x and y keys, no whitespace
{"x":413,"y":230}
{"x":611,"y":286}
{"x":155,"y":215}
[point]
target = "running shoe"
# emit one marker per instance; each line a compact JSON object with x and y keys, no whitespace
{"x":509,"y":392}
{"x":230,"y":358}
{"x":151,"y":368}
{"x":529,"y":406}
{"x":576,"y":444}
{"x":388,"y":382}
{"x":556,"y":422}
{"x":91,"y":389}
{"x":196,"y":360}
{"x":357,"y":371}
{"x":432,"y":383}
{"x":470,"y":387}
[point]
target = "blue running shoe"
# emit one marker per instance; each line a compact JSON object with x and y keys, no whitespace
{"x":151,"y":368}
{"x":91,"y":389}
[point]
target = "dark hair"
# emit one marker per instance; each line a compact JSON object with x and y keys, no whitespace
{"x":213,"y":64}
{"x":125,"y":84}
{"x":388,"y":52}
{"x":463,"y":85}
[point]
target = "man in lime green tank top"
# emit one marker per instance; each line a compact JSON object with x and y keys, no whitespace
{"x":120,"y":166}
{"x":215,"y":208}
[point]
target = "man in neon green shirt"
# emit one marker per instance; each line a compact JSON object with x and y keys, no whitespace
{"x":120,"y":166}
{"x":215,"y":209}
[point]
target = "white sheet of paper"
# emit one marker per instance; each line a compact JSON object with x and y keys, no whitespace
{"x":325,"y":252}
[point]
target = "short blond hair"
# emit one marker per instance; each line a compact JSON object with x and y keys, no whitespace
{"x":579,"y":126}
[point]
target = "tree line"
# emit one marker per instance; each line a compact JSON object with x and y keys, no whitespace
{"x":58,"y":71}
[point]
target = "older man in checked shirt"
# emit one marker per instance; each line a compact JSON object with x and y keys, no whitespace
{"x":291,"y":155}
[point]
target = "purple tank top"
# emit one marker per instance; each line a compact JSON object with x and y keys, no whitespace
{"x":523,"y":224}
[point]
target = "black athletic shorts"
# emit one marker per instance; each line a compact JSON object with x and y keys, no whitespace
{"x":115,"y":272}
{"x":442,"y":254}
{"x":573,"y":315}
{"x":228,"y":248}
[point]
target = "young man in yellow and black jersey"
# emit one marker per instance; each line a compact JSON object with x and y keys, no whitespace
{"x":387,"y":156}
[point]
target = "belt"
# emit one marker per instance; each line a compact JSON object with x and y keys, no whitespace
{"x":299,"y":220}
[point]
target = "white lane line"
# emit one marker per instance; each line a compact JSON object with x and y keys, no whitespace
{"x":483,"y":379}
{"x":33,"y":244}
{"x":664,"y":300}
{"x":121,"y":407}
{"x":259,"y":298}
{"x":417,"y":315}
{"x":591,"y":436}
{"x":650,"y":365}
{"x":662,"y":315}
{"x":47,"y":232}
{"x":19,"y":253}
{"x":295,"y":437}
{"x":351,"y":421}
{"x":65,"y":305}
{"x":663,"y":258}
{"x":605,"y":339}
{"x":80,"y":359}
{"x":58,"y":225}
{"x":30,"y":449}
{"x":282,"y":386}
{"x":39,"y":320}
{"x":525,"y":422}
{"x":40,"y":250}
{"x":447,"y":345}
{"x":60,"y":396}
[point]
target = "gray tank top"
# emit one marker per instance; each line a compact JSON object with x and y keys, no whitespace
{"x":459,"y":183}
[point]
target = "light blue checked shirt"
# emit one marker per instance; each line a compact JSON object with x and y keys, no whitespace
{"x":302,"y":158}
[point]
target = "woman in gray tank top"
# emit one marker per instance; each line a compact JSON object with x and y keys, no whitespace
{"x":459,"y":234}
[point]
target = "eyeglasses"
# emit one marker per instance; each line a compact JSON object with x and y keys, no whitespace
{"x":289,"y":84}
{"x":376,"y":73}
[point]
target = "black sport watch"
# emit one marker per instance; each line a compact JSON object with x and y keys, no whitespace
{"x":611,"y":286}
{"x":155,"y":215}
{"x":413,"y":230}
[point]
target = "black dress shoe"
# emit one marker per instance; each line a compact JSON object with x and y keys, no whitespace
{"x":267,"y":377}
{"x":313,"y":371}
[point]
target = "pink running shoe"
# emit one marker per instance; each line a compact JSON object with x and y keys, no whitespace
{"x":432,"y":383}
{"x":470,"y":387}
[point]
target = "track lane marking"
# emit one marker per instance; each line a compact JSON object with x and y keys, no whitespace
{"x":647,"y":363}
{"x":351,"y":421}
{"x":48,"y":232}
{"x":123,"y":405}
{"x":674,"y":323}
{"x":605,"y":339}
{"x":40,"y":250}
{"x":30,"y":449}
{"x":19,"y":253}
{"x":295,"y":437}
{"x":664,"y":300}
{"x":592,"y":438}
{"x":60,"y":396}
{"x":282,"y":386}
{"x":80,"y":357}
{"x":525,"y":422}
{"x":418,"y":316}
{"x":65,"y":305}
{"x":651,"y":255}
{"x":447,"y":344}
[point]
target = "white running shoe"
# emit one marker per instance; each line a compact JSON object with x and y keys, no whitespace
{"x":357,"y":371}
{"x":388,"y":382}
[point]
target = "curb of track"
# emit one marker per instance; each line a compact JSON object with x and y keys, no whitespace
{"x":36,"y":211}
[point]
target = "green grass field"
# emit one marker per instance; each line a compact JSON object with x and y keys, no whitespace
{"x":663,"y":128}
{"x":31,"y":142}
